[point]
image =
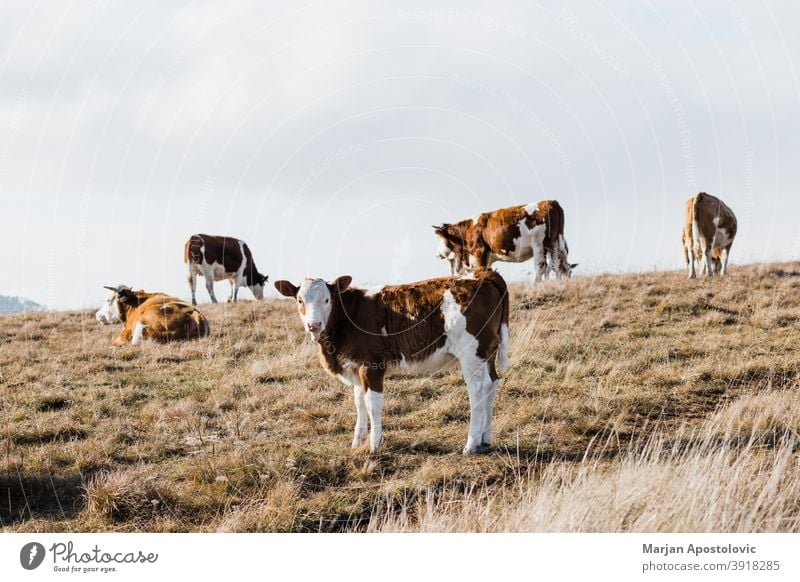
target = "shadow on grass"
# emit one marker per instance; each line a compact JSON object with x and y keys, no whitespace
{"x":24,"y":497}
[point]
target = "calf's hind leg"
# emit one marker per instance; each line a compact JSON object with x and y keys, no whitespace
{"x":480,"y":387}
{"x":491,"y":392}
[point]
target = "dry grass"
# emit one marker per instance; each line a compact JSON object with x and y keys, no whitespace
{"x":634,"y":403}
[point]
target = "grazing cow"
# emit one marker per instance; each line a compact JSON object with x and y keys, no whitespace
{"x":154,"y":316}
{"x":221,"y":257}
{"x":513,"y":235}
{"x":708,"y":232}
{"x":420,"y":327}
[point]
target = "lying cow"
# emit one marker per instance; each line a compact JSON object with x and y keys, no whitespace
{"x":419,"y":327}
{"x":708,"y":232}
{"x":221,"y":257}
{"x":513,"y":235}
{"x":151,"y":316}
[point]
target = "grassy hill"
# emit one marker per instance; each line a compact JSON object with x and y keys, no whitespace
{"x":634,"y":403}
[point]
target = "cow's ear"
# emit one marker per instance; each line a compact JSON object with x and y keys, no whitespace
{"x":286,"y":288}
{"x":342,"y":283}
{"x":573,"y":265}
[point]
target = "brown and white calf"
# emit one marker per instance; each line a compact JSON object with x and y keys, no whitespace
{"x":513,"y":235}
{"x":221,"y":257}
{"x":152,"y":316}
{"x":420,"y":327}
{"x":708,"y":231}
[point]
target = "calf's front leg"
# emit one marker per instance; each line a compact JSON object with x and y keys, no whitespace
{"x":362,"y":417}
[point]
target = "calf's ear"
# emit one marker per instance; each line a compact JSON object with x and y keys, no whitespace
{"x":342,"y":283}
{"x":286,"y":288}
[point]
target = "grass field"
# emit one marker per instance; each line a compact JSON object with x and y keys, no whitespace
{"x":634,"y":403}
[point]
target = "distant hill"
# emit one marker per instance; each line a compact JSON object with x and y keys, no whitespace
{"x":18,"y":305}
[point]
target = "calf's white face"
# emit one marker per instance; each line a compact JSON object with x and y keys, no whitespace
{"x":109,"y":311}
{"x":314,"y":304}
{"x":443,"y":251}
{"x":314,"y":300}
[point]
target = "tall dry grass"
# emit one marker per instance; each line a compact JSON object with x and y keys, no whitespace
{"x":736,"y":473}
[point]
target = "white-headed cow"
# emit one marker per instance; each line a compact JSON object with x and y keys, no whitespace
{"x":221,"y":257}
{"x":151,"y":316}
{"x":420,"y":327}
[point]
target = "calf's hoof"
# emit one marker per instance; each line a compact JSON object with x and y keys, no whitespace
{"x":374,"y":448}
{"x":358,"y":442}
{"x":480,"y":449}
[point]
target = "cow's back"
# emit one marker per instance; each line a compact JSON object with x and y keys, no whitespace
{"x":412,"y":321}
{"x":500,"y":228}
{"x":549,"y":213}
{"x":222,"y":250}
{"x":706,"y":213}
{"x":167,"y":319}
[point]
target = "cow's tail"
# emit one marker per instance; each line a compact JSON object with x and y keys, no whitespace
{"x":186,"y":250}
{"x":695,"y":226}
{"x":503,"y":359}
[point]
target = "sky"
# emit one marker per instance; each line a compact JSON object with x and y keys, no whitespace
{"x":331,"y":135}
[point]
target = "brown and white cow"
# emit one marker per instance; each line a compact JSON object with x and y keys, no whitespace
{"x":221,"y":257}
{"x":419,"y":327}
{"x":513,"y":235}
{"x":153,"y":316}
{"x":708,"y":232}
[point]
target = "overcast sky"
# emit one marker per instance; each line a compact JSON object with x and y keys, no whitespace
{"x":330,"y":135}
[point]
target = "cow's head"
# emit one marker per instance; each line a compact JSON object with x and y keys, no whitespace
{"x":450,"y":248}
{"x":445,"y":250}
{"x":567,"y":268}
{"x":315,"y":299}
{"x":259,"y":282}
{"x":109,"y":312}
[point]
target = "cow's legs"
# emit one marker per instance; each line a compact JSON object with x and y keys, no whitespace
{"x":210,"y":289}
{"x":362,"y":416}
{"x":232,"y":296}
{"x":486,"y":437}
{"x":690,"y":261}
{"x":372,"y":380}
{"x":725,"y":254}
{"x":193,"y":285}
{"x":540,"y":262}
{"x":709,"y":265}
{"x":479,"y":387}
{"x":555,"y":263}
{"x":374,"y":401}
